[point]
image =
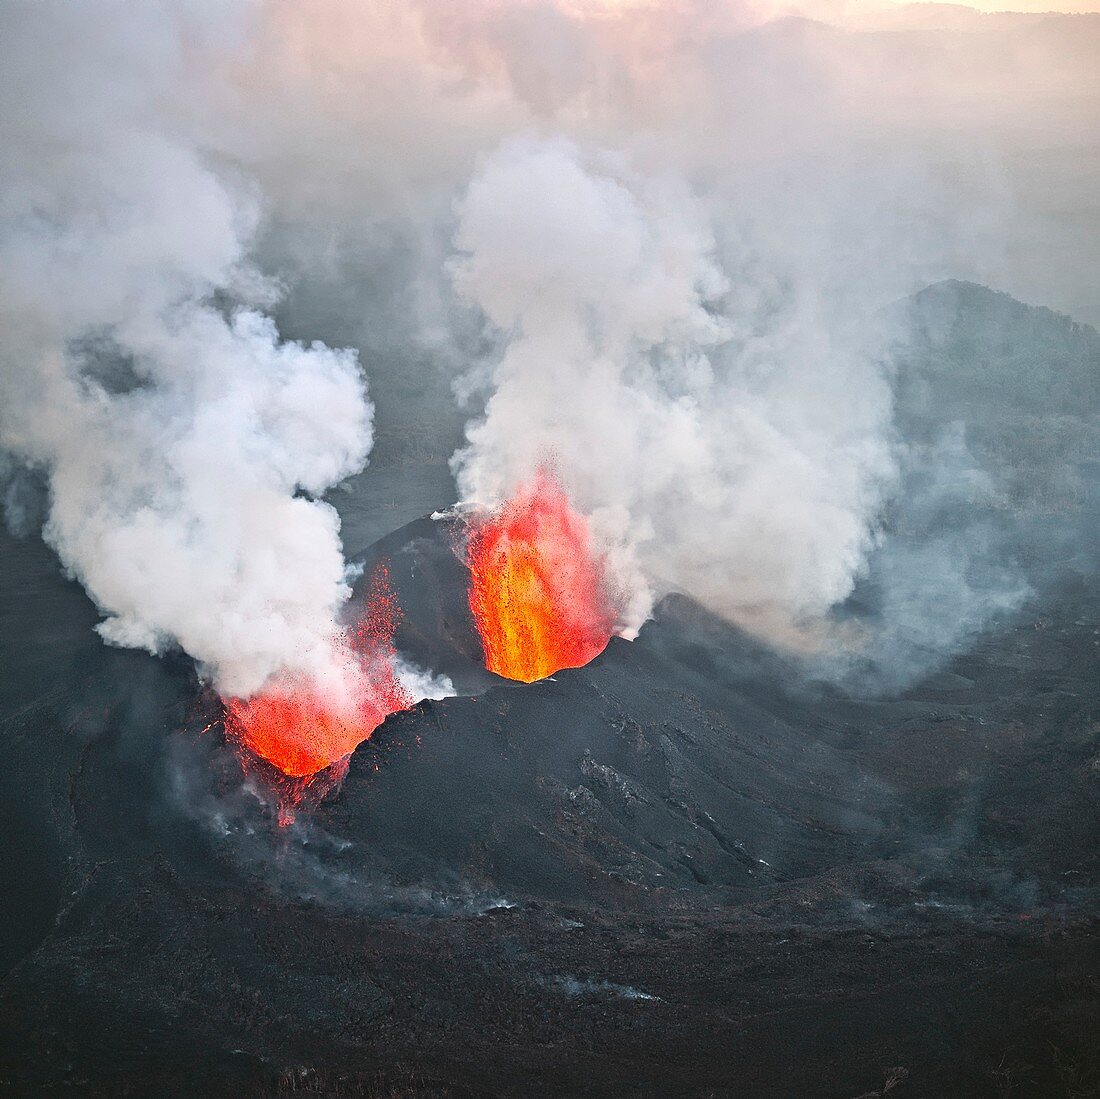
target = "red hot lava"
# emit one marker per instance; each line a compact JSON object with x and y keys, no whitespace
{"x":293,"y":726}
{"x":538,"y":593}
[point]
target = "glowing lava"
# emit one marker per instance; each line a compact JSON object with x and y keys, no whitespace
{"x":300,"y":730}
{"x":538,"y":593}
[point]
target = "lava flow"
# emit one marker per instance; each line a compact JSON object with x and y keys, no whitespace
{"x":300,"y":730}
{"x":538,"y":593}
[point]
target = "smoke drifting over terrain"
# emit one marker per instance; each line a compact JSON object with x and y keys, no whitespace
{"x":715,"y":626}
{"x":176,"y":430}
{"x":656,"y":245}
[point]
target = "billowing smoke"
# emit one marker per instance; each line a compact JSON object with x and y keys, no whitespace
{"x":736,"y":457}
{"x":657,"y":242}
{"x":182,"y":441}
{"x":688,"y":269}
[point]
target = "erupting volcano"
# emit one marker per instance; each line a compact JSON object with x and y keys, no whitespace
{"x":297,"y":728}
{"x":538,"y":593}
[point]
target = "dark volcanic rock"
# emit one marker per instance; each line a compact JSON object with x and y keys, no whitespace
{"x":604,"y":784}
{"x":436,"y":630}
{"x":683,"y":761}
{"x":681,"y":870}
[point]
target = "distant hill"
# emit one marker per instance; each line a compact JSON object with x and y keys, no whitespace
{"x":1022,"y":381}
{"x":989,"y":351}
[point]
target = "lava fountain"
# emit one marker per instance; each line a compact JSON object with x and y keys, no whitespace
{"x":538,"y":594}
{"x":302,"y":729}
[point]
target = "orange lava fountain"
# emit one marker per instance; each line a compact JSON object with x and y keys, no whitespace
{"x":293,"y":727}
{"x":538,"y":593}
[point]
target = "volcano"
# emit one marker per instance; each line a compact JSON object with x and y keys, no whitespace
{"x":685,"y":867}
{"x":680,"y":866}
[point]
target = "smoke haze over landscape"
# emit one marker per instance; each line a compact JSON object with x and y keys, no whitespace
{"x":550,"y":547}
{"x":657,"y":244}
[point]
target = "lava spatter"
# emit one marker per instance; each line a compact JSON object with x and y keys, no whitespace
{"x":538,"y":592}
{"x":301,"y":729}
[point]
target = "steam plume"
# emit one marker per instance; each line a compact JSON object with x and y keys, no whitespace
{"x":706,"y":348}
{"x":678,"y":228}
{"x":740,"y":467}
{"x":181,"y":439}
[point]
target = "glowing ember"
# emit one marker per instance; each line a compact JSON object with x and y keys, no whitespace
{"x":300,"y":731}
{"x":538,"y":594}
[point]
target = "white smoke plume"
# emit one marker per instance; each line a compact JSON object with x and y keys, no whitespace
{"x":675,"y":226}
{"x":740,"y":462}
{"x":177,"y":432}
{"x":683,"y":224}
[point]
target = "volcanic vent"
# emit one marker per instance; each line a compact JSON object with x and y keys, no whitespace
{"x":301,"y":727}
{"x":539,"y":594}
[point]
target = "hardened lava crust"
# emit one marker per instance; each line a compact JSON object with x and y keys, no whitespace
{"x":683,"y":869}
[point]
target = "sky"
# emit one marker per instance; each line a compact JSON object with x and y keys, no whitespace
{"x":1067,"y":6}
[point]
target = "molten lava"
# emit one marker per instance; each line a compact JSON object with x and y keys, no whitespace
{"x":538,"y":593}
{"x":298,"y":729}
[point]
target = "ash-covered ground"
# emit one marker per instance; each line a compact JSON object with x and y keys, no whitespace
{"x":694,"y":867}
